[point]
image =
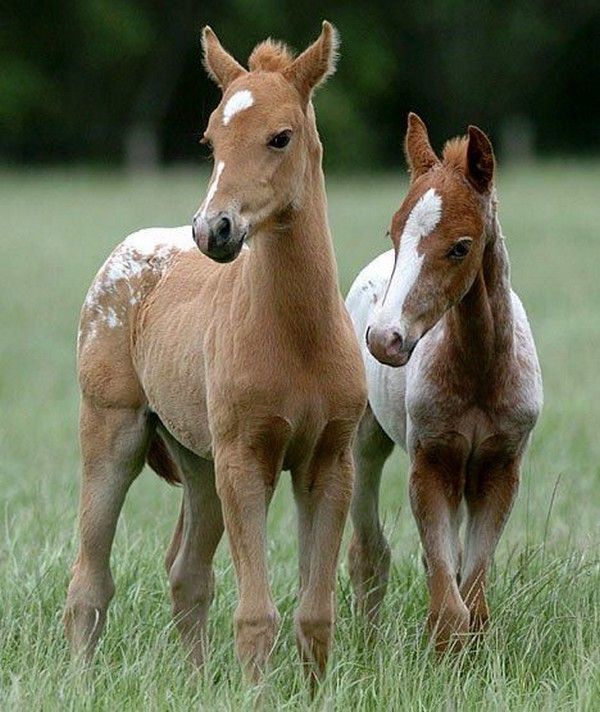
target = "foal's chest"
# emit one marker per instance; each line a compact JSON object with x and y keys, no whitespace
{"x":502,"y":422}
{"x":293,"y":406}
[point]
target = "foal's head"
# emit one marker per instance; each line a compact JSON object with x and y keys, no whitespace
{"x":263,"y":136}
{"x":439,"y":239}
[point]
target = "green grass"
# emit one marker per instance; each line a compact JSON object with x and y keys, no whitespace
{"x":543,"y":649}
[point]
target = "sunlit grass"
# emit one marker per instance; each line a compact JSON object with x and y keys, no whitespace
{"x":543,"y":648}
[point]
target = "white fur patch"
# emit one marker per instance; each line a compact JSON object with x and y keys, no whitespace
{"x":241,"y":100}
{"x":212,"y":189}
{"x":141,"y":252}
{"x":423,"y":219}
{"x":386,"y":385}
{"x":147,"y":242}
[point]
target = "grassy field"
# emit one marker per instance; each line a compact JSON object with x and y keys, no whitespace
{"x":543,"y":649}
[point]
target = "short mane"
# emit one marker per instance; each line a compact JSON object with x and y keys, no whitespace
{"x":270,"y":56}
{"x":455,"y":153}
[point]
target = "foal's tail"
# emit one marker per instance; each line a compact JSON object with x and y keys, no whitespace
{"x":161,"y":462}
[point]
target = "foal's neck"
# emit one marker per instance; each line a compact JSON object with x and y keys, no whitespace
{"x":291,"y":269}
{"x":481,"y":324}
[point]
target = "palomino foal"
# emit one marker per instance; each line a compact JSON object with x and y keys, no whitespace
{"x":466,"y":400}
{"x":222,"y":375}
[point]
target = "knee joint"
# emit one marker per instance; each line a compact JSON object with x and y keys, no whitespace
{"x":315,"y":627}
{"x":191,"y":590}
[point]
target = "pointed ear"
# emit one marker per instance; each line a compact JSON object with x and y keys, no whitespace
{"x":219,"y":64}
{"x":316,"y":63}
{"x":419,"y":154}
{"x":480,"y":160}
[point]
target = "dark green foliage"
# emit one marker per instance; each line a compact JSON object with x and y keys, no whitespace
{"x":76,"y":76}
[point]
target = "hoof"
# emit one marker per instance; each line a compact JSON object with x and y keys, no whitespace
{"x":449,"y":628}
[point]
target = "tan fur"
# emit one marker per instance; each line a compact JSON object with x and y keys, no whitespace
{"x":270,"y":56}
{"x":249,"y":367}
{"x":219,"y":64}
{"x":316,"y":63}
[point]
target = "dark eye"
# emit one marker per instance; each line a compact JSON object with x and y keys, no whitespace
{"x":460,"y":248}
{"x":281,"y":139}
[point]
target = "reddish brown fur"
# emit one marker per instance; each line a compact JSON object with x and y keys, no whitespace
{"x":161,"y":462}
{"x":419,"y":154}
{"x":454,"y":153}
{"x":471,"y":395}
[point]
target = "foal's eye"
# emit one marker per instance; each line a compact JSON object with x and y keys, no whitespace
{"x":280,"y":140}
{"x":460,"y":248}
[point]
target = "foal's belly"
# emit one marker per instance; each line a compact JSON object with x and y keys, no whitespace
{"x":170,"y":365}
{"x":178,"y":397}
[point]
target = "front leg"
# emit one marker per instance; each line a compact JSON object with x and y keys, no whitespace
{"x":436,"y":489}
{"x":490,"y":493}
{"x":323,"y":496}
{"x":245,"y":485}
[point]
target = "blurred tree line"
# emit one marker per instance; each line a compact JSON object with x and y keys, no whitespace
{"x":109,"y":80}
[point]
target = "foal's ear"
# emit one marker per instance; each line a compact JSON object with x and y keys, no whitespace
{"x":316,"y":63}
{"x":419,"y":154}
{"x":220,"y":65}
{"x":480,"y":160}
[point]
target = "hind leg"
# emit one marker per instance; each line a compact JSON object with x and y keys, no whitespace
{"x":369,"y":555}
{"x":113,"y":447}
{"x":199,"y":531}
{"x":175,"y":543}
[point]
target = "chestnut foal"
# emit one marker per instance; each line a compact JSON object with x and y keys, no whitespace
{"x":465,"y":402}
{"x":222,"y":375}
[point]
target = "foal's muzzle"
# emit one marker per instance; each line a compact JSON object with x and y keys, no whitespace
{"x":388,"y":345}
{"x":219,"y":236}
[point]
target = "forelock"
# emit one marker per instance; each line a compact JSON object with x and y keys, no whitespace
{"x":455,"y":153}
{"x":270,"y":56}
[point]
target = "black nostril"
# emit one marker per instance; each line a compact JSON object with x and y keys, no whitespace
{"x":395,"y":342}
{"x":367,"y":335}
{"x":222,"y":229}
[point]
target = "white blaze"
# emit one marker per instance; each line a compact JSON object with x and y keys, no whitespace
{"x":241,"y":100}
{"x":423,"y":219}
{"x":212,"y":189}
